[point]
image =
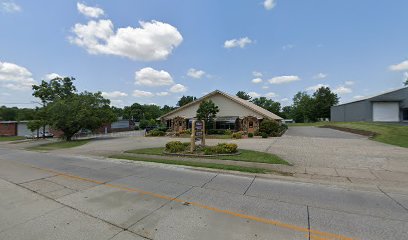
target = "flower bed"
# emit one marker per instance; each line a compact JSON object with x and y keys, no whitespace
{"x":183,"y":149}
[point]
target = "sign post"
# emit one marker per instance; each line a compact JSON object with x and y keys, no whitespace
{"x":197,"y":134}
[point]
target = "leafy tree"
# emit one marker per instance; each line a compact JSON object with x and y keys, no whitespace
{"x":34,"y":126}
{"x":165,"y":109}
{"x":185,"y":100}
{"x":323,"y":99}
{"x":243,"y":95}
{"x":77,"y":111}
{"x":267,"y":104}
{"x":8,"y":114}
{"x":57,"y":88}
{"x":302,"y":108}
{"x":117,"y":111}
{"x":269,"y":127}
{"x":207,"y":112}
{"x":286,"y":112}
{"x":406,"y":82}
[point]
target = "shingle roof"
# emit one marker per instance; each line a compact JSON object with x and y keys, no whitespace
{"x":241,"y":101}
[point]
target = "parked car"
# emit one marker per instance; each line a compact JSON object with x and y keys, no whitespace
{"x":46,"y":134}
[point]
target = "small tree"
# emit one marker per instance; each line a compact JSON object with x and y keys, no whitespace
{"x":207,"y":112}
{"x":35,"y":125}
{"x":269,"y":127}
{"x":323,"y":100}
{"x":243,"y":95}
{"x":185,"y":100}
{"x":267,"y":104}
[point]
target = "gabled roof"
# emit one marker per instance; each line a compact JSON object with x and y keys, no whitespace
{"x":372,"y":96}
{"x":265,"y":113}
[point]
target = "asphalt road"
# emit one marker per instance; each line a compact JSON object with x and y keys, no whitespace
{"x":48,"y":196}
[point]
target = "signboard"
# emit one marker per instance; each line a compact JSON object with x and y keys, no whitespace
{"x":197,"y":134}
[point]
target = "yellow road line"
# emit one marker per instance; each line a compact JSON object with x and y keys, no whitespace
{"x":315,"y":234}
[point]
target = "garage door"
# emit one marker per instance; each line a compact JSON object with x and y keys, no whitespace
{"x":386,"y":111}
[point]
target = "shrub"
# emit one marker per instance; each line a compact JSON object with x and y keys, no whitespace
{"x":269,"y":127}
{"x":264,"y":135}
{"x":137,"y":128}
{"x":257,"y":133}
{"x":156,"y":133}
{"x":237,"y":135}
{"x":221,"y":148}
{"x":175,"y":147}
{"x":216,"y":132}
{"x":187,"y":131}
{"x":227,"y":132}
{"x":250,"y":135}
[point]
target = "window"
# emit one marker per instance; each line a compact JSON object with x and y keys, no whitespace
{"x":251,"y":124}
{"x":405,"y":114}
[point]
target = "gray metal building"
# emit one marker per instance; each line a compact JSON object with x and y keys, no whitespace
{"x":387,"y":107}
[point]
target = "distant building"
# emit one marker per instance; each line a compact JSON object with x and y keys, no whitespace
{"x":386,"y":107}
{"x":16,"y":128}
{"x":235,"y":114}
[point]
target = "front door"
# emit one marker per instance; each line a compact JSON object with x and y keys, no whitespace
{"x":250,"y":127}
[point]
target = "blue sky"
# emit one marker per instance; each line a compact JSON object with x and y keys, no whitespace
{"x":156,"y":51}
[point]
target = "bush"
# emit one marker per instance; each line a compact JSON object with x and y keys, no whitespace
{"x":137,"y":128}
{"x":264,"y":135}
{"x":156,"y":133}
{"x":187,"y":131}
{"x":221,"y":148}
{"x":176,"y":146}
{"x":237,"y":135}
{"x":257,"y":133}
{"x":270,"y":127}
{"x":227,"y":132}
{"x":250,"y":135}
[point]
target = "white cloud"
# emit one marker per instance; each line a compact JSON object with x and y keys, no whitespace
{"x":402,"y":66}
{"x":51,"y":76}
{"x":254,"y":94}
{"x":139,"y":93}
{"x":114,"y":94}
{"x":349,"y":83}
{"x":288,"y":46}
{"x":10,"y":6}
{"x":93,"y":12}
{"x":153,"y":78}
{"x":342,"y":90}
{"x":269,"y":4}
{"x":265,"y":87}
{"x":152,"y":41}
{"x":194,"y":73}
{"x":117,"y":103}
{"x":257,"y":74}
{"x":358,"y":97}
{"x":15,"y":77}
{"x":178,"y":88}
{"x":242,"y":42}
{"x":256,"y":80}
{"x":162,"y":94}
{"x":283,"y":79}
{"x":284,"y":99}
{"x":271,"y":95}
{"x":315,"y":87}
{"x":405,"y":75}
{"x":320,"y":76}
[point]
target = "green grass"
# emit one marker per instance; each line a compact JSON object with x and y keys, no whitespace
{"x":193,"y":164}
{"x":245,"y":156}
{"x":12,"y":138}
{"x":386,"y":133}
{"x":60,"y":145}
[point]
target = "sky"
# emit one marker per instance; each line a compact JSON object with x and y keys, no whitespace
{"x":155,"y":51}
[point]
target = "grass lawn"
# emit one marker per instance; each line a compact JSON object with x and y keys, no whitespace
{"x":387,"y":133}
{"x":12,"y":138}
{"x":245,"y":156}
{"x":60,"y":145}
{"x":193,"y":164}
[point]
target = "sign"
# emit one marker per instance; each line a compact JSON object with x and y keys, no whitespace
{"x":197,"y":134}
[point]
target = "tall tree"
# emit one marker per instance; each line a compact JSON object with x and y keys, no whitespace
{"x":267,"y":104}
{"x":286,"y":112}
{"x":302,"y":108}
{"x":185,"y":100}
{"x":77,"y":111}
{"x":323,"y":99}
{"x":207,"y":111}
{"x":243,"y":95}
{"x":165,"y":109}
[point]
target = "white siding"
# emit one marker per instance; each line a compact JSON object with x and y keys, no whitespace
{"x":386,"y":111}
{"x":227,"y":107}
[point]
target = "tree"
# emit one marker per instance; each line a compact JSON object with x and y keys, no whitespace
{"x":302,"y":108}
{"x":77,"y":111}
{"x":286,"y":112}
{"x":323,"y":99}
{"x":267,"y":104}
{"x":243,"y":95}
{"x":185,"y":100}
{"x":165,"y":109}
{"x":207,"y":112}
{"x":34,"y":126}
{"x":56,"y":89}
{"x":406,"y":82}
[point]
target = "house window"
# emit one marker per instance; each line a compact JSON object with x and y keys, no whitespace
{"x":251,"y":124}
{"x":405,"y":114}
